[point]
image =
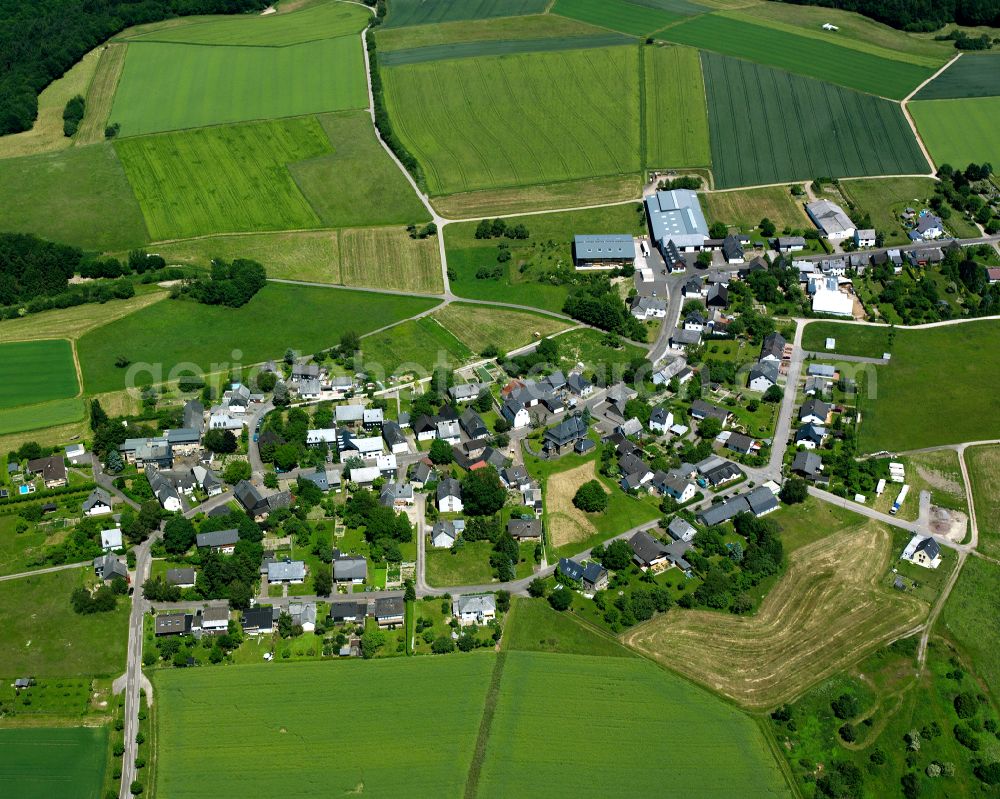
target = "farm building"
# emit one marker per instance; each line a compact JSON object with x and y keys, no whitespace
{"x":603,"y":251}
{"x":831,"y":220}
{"x":676,"y":216}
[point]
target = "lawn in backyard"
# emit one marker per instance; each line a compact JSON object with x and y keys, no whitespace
{"x":672,"y":80}
{"x":491,"y":122}
{"x":199,"y":714}
{"x":885,"y":199}
{"x":973,"y":75}
{"x":959,"y":132}
{"x":867,"y":341}
{"x":53,"y":763}
{"x":912,"y":405}
{"x":349,"y":187}
{"x":36,"y":371}
{"x":637,"y":19}
{"x":525,"y":278}
{"x":170,"y":86}
{"x":44,"y":637}
{"x":479,"y":326}
{"x":420,"y":12}
{"x":828,"y":61}
{"x":280,"y":316}
{"x":537,"y":746}
{"x":79,"y":196}
{"x":834,"y":131}
{"x":468,"y":565}
{"x":319,"y":21}
{"x":223,"y":179}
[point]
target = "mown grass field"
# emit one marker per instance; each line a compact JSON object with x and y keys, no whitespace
{"x":983,"y":464}
{"x":469,"y":565}
{"x":884,"y":199}
{"x":350,"y":187}
{"x":745,"y":209}
{"x":367,"y":253}
{"x":673,"y":81}
{"x":36,"y":371}
{"x":438,"y":52}
{"x":535,"y":627}
{"x":43,"y":414}
{"x":171,"y":86}
{"x":795,"y":128}
{"x":43,"y":637}
{"x":77,"y":196}
{"x":420,"y":12}
{"x":814,"y":58}
{"x":57,"y":763}
{"x":101,"y":93}
{"x":72,"y":323}
{"x":308,"y":703}
{"x":896,"y":418}
{"x":319,"y":21}
{"x":827,"y":611}
{"x":539,"y":747}
{"x":959,"y":132}
{"x":636,"y":19}
{"x":973,"y":75}
{"x":225,"y":179}
{"x":518,"y":120}
{"x":868,"y":341}
{"x":535,"y":26}
{"x":479,"y":326}
{"x":416,"y":345}
{"x":280,"y":316}
{"x":971,"y":617}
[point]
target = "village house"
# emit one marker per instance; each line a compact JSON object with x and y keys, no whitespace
{"x":52,"y":470}
{"x":449,"y":496}
{"x":182,"y":578}
{"x":107,"y":567}
{"x":98,"y":503}
{"x":222,"y":541}
{"x":647,"y":552}
{"x":444,"y":534}
{"x":349,"y":569}
{"x":923,"y":551}
{"x":562,"y":438}
{"x":660,"y":420}
{"x":590,"y":574}
{"x":474,"y":608}
{"x":525,"y":529}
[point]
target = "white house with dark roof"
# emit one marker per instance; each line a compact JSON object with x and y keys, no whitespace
{"x":98,"y":503}
{"x":449,"y":496}
{"x":474,"y":608}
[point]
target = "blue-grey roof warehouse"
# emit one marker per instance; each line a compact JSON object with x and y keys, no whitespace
{"x":603,"y":249}
{"x":676,"y":216}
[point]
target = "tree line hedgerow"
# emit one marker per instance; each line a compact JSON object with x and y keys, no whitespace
{"x":918,"y":15}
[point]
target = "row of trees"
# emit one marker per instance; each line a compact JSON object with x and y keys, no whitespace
{"x":232,"y":284}
{"x":918,"y":15}
{"x":596,"y":302}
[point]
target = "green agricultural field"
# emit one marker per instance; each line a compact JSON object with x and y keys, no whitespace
{"x":366,"y":253}
{"x":225,"y":179}
{"x":827,"y":61}
{"x":636,"y":19}
{"x":745,"y":209}
{"x":959,"y":132}
{"x":884,"y":199}
{"x":439,"y":52}
{"x":673,"y":81}
{"x":417,"y":345}
{"x":518,"y":120}
{"x":78,"y":196}
{"x":58,"y":763}
{"x":548,"y":248}
{"x":479,"y":326}
{"x":320,"y":21}
{"x":349,"y":187}
{"x":983,"y":464}
{"x":537,"y":746}
{"x":795,"y":128}
{"x":534,"y":627}
{"x":420,"y":12}
{"x":868,"y":341}
{"x":903,"y":412}
{"x":536,"y":26}
{"x":973,"y":75}
{"x":971,"y":618}
{"x":307,"y":702}
{"x":169,"y":86}
{"x":43,"y":414}
{"x":280,"y":316}
{"x":36,"y":371}
{"x":45,"y":638}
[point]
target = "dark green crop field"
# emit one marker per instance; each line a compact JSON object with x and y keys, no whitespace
{"x":61,"y":763}
{"x":36,"y":371}
{"x":971,"y":76}
{"x":620,"y":15}
{"x":423,"y":12}
{"x":769,"y":126}
{"x":417,"y":55}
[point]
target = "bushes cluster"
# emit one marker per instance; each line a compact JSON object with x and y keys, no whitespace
{"x":231,"y":284}
{"x":73,"y":115}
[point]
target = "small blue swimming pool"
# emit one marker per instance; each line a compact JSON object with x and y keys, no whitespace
{"x":23,"y":489}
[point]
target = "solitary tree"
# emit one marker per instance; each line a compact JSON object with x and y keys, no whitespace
{"x":591,"y":497}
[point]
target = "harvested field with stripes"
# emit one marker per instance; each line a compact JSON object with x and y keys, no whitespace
{"x":826,"y":612}
{"x":673,"y":81}
{"x":521,"y":119}
{"x":479,"y":326}
{"x":769,"y":126}
{"x":387,"y":258}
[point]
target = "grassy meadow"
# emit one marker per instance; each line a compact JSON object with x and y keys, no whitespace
{"x":78,"y":196}
{"x":973,"y":75}
{"x":39,"y":415}
{"x":387,"y":258}
{"x":745,"y":209}
{"x":169,"y":86}
{"x":417,"y":344}
{"x":885,"y":199}
{"x":971,"y":618}
{"x":56,"y":763}
{"x":673,"y":81}
{"x":101,"y":93}
{"x":280,"y":316}
{"x":533,"y":27}
{"x":867,"y":341}
{"x":636,"y":19}
{"x":318,"y":21}
{"x":518,"y":120}
{"x":983,"y":464}
{"x":959,"y":132}
{"x":350,"y":186}
{"x":897,"y":419}
{"x":36,"y":371}
{"x":73,"y":322}
{"x":43,"y":637}
{"x":533,"y":626}
{"x":224,"y":179}
{"x":814,"y":58}
{"x":834,"y":131}
{"x":479,"y":326}
{"x":419,"y":12}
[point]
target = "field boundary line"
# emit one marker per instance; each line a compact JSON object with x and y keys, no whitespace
{"x":485,"y":726}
